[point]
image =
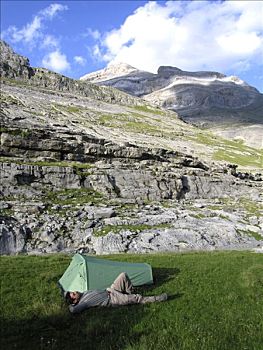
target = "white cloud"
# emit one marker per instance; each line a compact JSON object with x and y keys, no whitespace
{"x":97,"y":53}
{"x":32,"y":32}
{"x":234,"y":43}
{"x":52,"y":10}
{"x":95,"y":34}
{"x":56,"y":61}
{"x":28,"y":33}
{"x":191,"y":35}
{"x":80,"y":60}
{"x":49,"y":41}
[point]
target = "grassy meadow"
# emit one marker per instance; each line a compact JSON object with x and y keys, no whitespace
{"x":215,"y":303}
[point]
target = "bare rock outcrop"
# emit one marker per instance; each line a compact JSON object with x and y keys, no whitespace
{"x":13,"y":65}
{"x":42,"y":210}
{"x":91,"y":169}
{"x":206,"y":99}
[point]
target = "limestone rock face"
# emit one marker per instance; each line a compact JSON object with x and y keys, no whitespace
{"x":86,"y":168}
{"x":13,"y":65}
{"x":104,"y":208}
{"x":131,"y":173}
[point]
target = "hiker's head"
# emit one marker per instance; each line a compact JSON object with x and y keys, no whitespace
{"x":72,"y":297}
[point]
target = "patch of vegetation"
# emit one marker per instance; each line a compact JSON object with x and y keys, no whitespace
{"x":80,"y":168}
{"x":132,"y":122}
{"x":199,"y":216}
{"x":113,"y":120}
{"x":14,"y":81}
{"x":77,"y":166}
{"x":229,"y":151}
{"x":214,"y":207}
{"x":248,"y":159}
{"x":250,"y":233}
{"x":224,"y":217}
{"x":10,"y":100}
{"x":16,"y":132}
{"x":202,"y":138}
{"x":7,"y":160}
{"x":252,"y":207}
{"x":106,"y":119}
{"x":34,"y":113}
{"x":48,"y":163}
{"x":7,"y":212}
{"x":215,"y":302}
{"x":80,"y":172}
{"x":149,"y":110}
{"x":134,"y":228}
{"x":123,"y":208}
{"x":73,"y":109}
{"x":66,"y":108}
{"x":73,"y":196}
{"x":142,"y":127}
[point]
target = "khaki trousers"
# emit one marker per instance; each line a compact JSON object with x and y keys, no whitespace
{"x":121,"y":292}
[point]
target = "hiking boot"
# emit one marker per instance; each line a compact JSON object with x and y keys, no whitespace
{"x":162,"y":297}
{"x":158,"y":298}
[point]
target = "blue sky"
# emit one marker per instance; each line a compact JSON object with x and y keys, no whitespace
{"x":78,"y":37}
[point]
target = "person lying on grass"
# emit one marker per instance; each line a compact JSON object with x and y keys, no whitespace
{"x":119,"y":293}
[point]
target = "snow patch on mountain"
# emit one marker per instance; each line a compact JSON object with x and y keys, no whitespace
{"x":110,"y":72}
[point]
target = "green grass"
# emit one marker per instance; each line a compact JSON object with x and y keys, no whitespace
{"x":250,"y":233}
{"x":16,"y":132}
{"x":13,"y":81}
{"x":141,"y":127}
{"x":230,"y":151}
{"x":113,"y":120}
{"x":252,"y":207}
{"x":199,"y":216}
{"x":77,"y":166}
{"x":135,"y":228}
{"x":149,"y":110}
{"x":215,"y":303}
{"x":73,"y":196}
{"x":244,"y":160}
{"x":65,"y":108}
{"x":133,"y":121}
{"x":73,"y":109}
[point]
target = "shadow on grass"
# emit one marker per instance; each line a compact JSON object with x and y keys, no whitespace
{"x":175,"y":296}
{"x":160,"y":277}
{"x":96,"y":328}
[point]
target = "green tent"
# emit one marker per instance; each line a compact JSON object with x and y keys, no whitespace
{"x":87,"y":273}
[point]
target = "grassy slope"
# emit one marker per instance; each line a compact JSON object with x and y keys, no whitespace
{"x":215,"y":303}
{"x":160,"y":128}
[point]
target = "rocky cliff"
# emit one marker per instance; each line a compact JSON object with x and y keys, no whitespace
{"x":13,"y":65}
{"x":208,"y":99}
{"x":91,"y":169}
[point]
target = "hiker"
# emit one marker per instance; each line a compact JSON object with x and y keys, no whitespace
{"x":119,"y":293}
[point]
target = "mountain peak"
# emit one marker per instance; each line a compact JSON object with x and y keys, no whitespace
{"x":113,"y":70}
{"x":169,"y":71}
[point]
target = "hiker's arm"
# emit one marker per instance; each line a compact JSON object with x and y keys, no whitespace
{"x":77,"y":308}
